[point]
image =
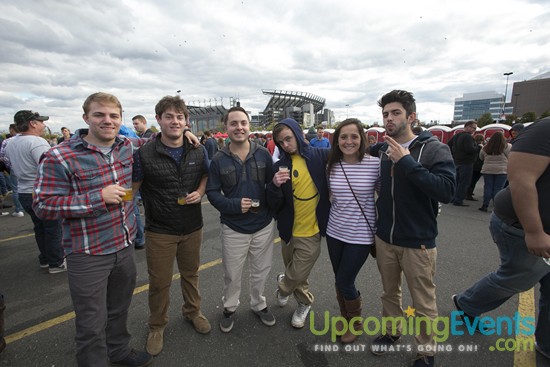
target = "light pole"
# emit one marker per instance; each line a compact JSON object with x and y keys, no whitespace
{"x":347,"y":110}
{"x":506,"y":91}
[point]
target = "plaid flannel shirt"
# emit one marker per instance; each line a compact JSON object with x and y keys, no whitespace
{"x":68,"y":185}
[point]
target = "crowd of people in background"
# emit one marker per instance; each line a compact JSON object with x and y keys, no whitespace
{"x":368,"y":198}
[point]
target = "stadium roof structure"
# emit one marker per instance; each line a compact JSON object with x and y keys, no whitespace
{"x":281,"y":99}
{"x":208,"y":110}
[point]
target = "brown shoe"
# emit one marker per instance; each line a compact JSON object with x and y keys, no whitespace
{"x":201,"y":324}
{"x":155,"y":342}
{"x":340,"y":298}
{"x":353,"y":309}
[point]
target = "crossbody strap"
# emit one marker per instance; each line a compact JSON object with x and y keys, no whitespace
{"x":358,"y":204}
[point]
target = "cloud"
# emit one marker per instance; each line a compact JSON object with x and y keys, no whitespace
{"x":56,"y":53}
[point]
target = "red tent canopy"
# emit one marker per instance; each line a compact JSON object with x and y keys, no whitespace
{"x":220,"y":135}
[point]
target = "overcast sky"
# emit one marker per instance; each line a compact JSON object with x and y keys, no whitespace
{"x":55,"y":53}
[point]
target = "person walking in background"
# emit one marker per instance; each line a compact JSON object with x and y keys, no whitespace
{"x":371,"y":140}
{"x":352,"y":177}
{"x":140,"y":126}
{"x":320,"y":141}
{"x":23,"y":153}
{"x":416,"y":173}
{"x":172,"y":176}
{"x":10,"y":177}
{"x":66,"y":135}
{"x":236,"y":187}
{"x":83,"y":181}
{"x":495,"y":160}
{"x":520,"y":227}
{"x":210,"y":144}
{"x":515,"y":130}
{"x":464,"y":150}
{"x":298,"y":195}
{"x":476,"y":173}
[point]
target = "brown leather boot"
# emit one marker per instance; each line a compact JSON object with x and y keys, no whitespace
{"x":353,"y":309}
{"x":2,"y":308}
{"x":342,"y":305}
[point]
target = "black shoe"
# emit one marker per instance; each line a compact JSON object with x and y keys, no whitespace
{"x":266,"y":317}
{"x":135,"y":359}
{"x":423,"y":361}
{"x":466,"y":319}
{"x":470,"y":198}
{"x":483,"y":209}
{"x":139,"y":245}
{"x":460,"y":204}
{"x":226,"y":321}
{"x":382,"y":344}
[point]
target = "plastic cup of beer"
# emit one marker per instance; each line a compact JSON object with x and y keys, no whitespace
{"x":182,"y":198}
{"x":128,"y":194}
{"x":283,"y":169}
{"x":255,"y":206}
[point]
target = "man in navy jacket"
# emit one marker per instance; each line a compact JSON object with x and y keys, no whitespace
{"x":416,"y":173}
{"x":237,"y":180}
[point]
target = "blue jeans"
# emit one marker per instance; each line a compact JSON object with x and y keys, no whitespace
{"x":3,"y":184}
{"x":347,"y":260}
{"x":519,"y":271}
{"x":47,"y":234}
{"x":139,"y":240}
{"x":12,"y":181}
{"x":464,"y":174}
{"x":493,"y":184}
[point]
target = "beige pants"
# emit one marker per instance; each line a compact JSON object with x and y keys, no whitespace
{"x":236,"y":249}
{"x":299,"y":256}
{"x":418,"y":265}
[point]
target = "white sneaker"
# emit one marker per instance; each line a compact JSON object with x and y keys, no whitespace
{"x":281,"y":300}
{"x":18,"y":214}
{"x":61,"y":268}
{"x":300,"y":315}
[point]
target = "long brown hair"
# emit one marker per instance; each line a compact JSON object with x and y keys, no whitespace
{"x":335,"y":153}
{"x":496,"y":144}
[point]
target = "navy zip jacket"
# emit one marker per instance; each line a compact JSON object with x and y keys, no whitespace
{"x":410,"y":191}
{"x":280,"y":199}
{"x":230,"y":180}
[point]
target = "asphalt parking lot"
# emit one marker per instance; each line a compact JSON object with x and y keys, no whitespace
{"x":40,"y":322}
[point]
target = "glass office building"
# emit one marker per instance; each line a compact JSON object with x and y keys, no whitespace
{"x":472,"y":106}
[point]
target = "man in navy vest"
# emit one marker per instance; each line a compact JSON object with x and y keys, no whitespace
{"x":172,"y":176}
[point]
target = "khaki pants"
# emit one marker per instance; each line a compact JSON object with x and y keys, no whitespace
{"x":236,"y":249}
{"x":418,"y":265}
{"x":299,"y":256}
{"x":161,"y":250}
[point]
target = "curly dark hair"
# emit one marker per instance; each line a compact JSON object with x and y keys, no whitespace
{"x":401,"y":96}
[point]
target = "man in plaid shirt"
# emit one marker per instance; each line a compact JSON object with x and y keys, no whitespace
{"x":83,"y":181}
